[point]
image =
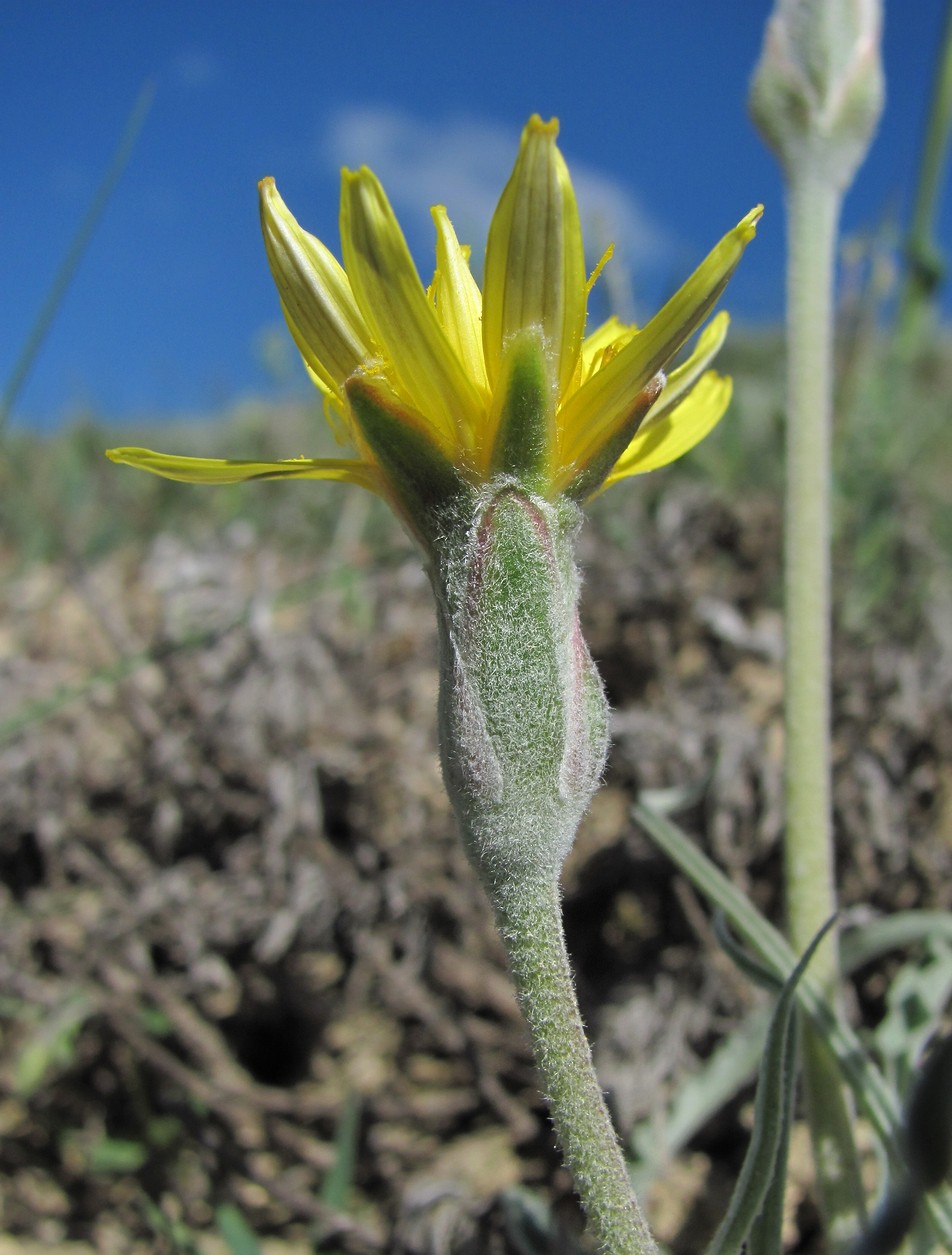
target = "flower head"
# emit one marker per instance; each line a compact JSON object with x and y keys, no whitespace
{"x":437,"y":390}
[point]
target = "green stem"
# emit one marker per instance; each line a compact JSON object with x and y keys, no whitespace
{"x":530,"y":922}
{"x":813,"y":214}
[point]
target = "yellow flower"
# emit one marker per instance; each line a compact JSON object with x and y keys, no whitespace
{"x":440,"y":388}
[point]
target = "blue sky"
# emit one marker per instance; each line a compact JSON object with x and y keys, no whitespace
{"x":172,"y":308}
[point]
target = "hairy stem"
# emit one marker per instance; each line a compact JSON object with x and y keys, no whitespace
{"x":530,"y":922}
{"x":813,"y":212}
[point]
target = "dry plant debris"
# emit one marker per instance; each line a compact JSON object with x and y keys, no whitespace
{"x":233,"y":901}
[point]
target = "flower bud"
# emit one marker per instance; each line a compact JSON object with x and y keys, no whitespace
{"x":523,"y":717}
{"x":817,"y":91}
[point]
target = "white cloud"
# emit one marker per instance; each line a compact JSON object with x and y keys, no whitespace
{"x":463,"y":163}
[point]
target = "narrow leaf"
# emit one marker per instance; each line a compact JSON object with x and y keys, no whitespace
{"x":874,"y":1095}
{"x":766,"y":1155}
{"x":235,"y":1231}
{"x":862,"y":944}
{"x":337,"y":1185}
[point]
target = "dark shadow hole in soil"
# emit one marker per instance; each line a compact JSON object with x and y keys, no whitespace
{"x":625,"y":677}
{"x":161,"y":958}
{"x":335,"y":801}
{"x":21,"y":866}
{"x":273,"y":1044}
{"x":605,"y":949}
{"x":442,"y":923}
{"x":210,"y":841}
{"x":43,"y":954}
{"x":102,"y":801}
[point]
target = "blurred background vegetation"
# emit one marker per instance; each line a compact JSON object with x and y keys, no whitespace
{"x":61,"y":500}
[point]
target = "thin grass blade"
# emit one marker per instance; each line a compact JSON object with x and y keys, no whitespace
{"x":74,"y":254}
{"x":765,"y":1162}
{"x":874,"y":1095}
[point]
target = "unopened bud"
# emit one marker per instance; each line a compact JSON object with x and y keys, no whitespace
{"x":817,"y":91}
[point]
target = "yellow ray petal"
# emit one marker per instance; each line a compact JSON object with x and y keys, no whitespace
{"x":612,"y":334}
{"x":535,"y":263}
{"x":661,"y":442}
{"x":316,"y":297}
{"x":392,"y":299}
{"x":593,"y":410}
{"x":237,"y":470}
{"x":459,"y":304}
{"x":680,"y":382}
{"x":335,"y":408}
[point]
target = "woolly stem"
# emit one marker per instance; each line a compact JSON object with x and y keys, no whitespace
{"x":813,"y":211}
{"x":530,"y":921}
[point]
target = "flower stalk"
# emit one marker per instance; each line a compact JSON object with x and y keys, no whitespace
{"x":816,"y":96}
{"x":523,"y":737}
{"x":809,"y":855}
{"x":531,"y":926}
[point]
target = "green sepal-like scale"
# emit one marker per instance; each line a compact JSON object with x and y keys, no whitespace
{"x":526,"y":433}
{"x":422,"y":483}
